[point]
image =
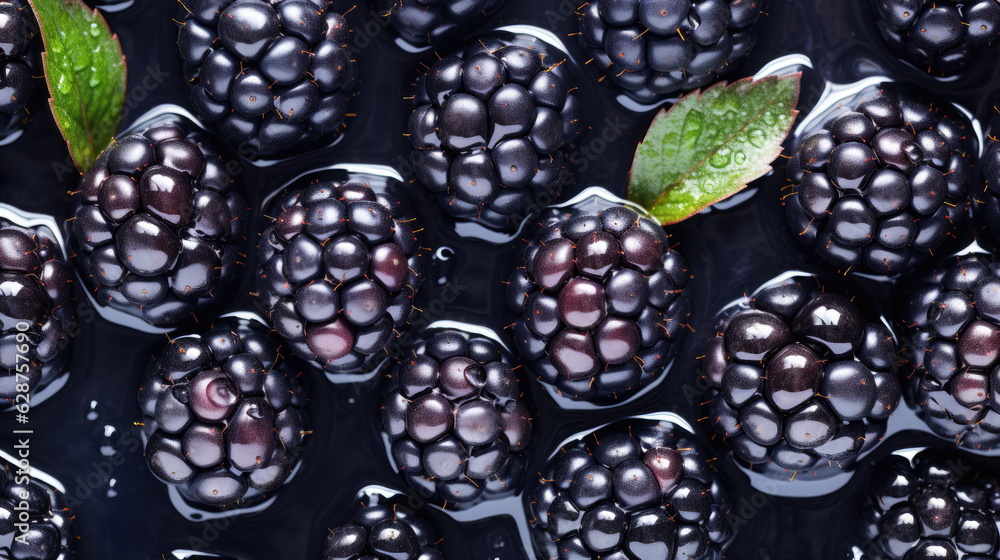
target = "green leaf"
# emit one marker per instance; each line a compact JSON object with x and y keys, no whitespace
{"x":85,"y":72}
{"x":710,"y":144}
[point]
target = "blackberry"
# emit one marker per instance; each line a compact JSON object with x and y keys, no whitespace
{"x":157,"y":224}
{"x":989,"y":206}
{"x":801,"y":375}
{"x":651,"y":49}
{"x":434,"y":22}
{"x":935,"y":505}
{"x":43,"y":531}
{"x":270,"y":76}
{"x":644,"y":490}
{"x":951,"y":315}
{"x":489,"y":129}
{"x":941,"y":36}
{"x":337,"y":271}
{"x":881,"y":186}
{"x":382,"y":529}
{"x":454,"y":413}
{"x":20,"y":61}
{"x":224,"y":416}
{"x":599,"y":300}
{"x":36,"y":314}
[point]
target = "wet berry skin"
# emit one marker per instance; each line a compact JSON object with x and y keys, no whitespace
{"x":224,"y":415}
{"x":490,"y":127}
{"x":800,"y":376}
{"x":36,"y":311}
{"x":454,"y":413}
{"x":20,"y":64}
{"x":882,"y":185}
{"x":269,"y":76}
{"x":598,"y":298}
{"x":952,"y":315}
{"x":635,"y":489}
{"x":382,"y":528}
{"x":49,"y":535}
{"x":428,"y":22}
{"x":337,"y":271}
{"x":988,"y":209}
{"x":938,"y":504}
{"x":158,"y":223}
{"x":652,"y":50}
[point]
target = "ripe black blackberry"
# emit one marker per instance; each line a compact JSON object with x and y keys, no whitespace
{"x":599,"y":300}
{"x":490,"y":126}
{"x":989,"y":201}
{"x":382,"y":529}
{"x":269,"y":75}
{"x":880,"y":188}
{"x":20,"y":60}
{"x":158,"y":224}
{"x":36,"y":314}
{"x":651,"y":49}
{"x":641,"y":490}
{"x":454,"y":413}
{"x":801,"y":375}
{"x":337,"y":271}
{"x":48,"y":520}
{"x":951,"y":315}
{"x":940,"y":36}
{"x":435,"y":22}
{"x":224,"y":416}
{"x":937,"y":505}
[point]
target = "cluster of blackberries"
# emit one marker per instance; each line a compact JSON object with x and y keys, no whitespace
{"x":36,"y":313}
{"x":490,"y":127}
{"x":49,"y":522}
{"x":640,"y":491}
{"x":653,"y":48}
{"x":224,"y":416}
{"x":270,"y":75}
{"x":879,"y":188}
{"x":598,"y":297}
{"x":454,"y":413}
{"x":337,"y":271}
{"x":938,"y":36}
{"x":382,"y":529}
{"x":157,"y":224}
{"x":801,"y":375}
{"x":20,"y":60}
{"x":433,"y":22}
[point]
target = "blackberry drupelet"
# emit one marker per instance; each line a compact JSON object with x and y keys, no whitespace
{"x":644,"y":490}
{"x":951,"y":315}
{"x":382,"y":529}
{"x":270,"y":76}
{"x":49,"y":522}
{"x":939,"y":37}
{"x":224,"y":416}
{"x":454,"y":413}
{"x":801,"y":376}
{"x":158,"y":224}
{"x":36,"y":314}
{"x":653,"y":48}
{"x":489,"y":129}
{"x":435,"y":22}
{"x":337,"y":271}
{"x":599,"y":300}
{"x":20,"y":61}
{"x":937,"y":505}
{"x":881,"y":187}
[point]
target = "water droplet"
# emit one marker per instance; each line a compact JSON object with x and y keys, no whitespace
{"x":757,"y":137}
{"x":94,"y":30}
{"x":740,"y":158}
{"x":721,"y":158}
{"x":694,"y":123}
{"x":95,"y":81}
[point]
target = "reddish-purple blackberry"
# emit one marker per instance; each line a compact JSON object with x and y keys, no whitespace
{"x":35,"y":523}
{"x":881,"y":186}
{"x":951,"y":316}
{"x":382,"y":528}
{"x":224,"y":415}
{"x":598,"y":297}
{"x":337,"y":271}
{"x":269,"y":75}
{"x":639,"y":490}
{"x":20,"y":61}
{"x":36,"y":313}
{"x":801,"y":375}
{"x":653,"y":48}
{"x":435,"y":22}
{"x":937,"y":505}
{"x":454,"y":413}
{"x":941,"y":36}
{"x":490,"y":126}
